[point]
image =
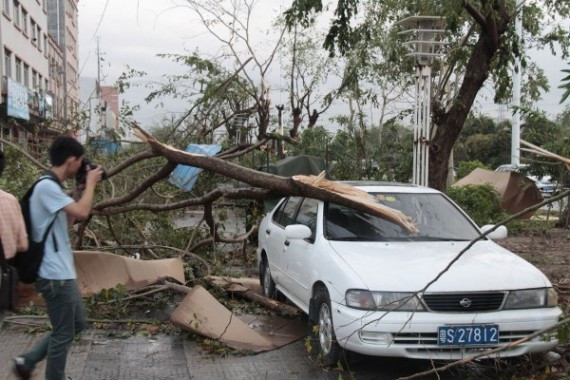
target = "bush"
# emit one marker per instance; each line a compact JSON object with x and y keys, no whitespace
{"x":481,"y":202}
{"x":466,"y":167}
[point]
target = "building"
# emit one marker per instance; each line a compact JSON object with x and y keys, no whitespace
{"x":63,"y":28}
{"x":25,"y":68}
{"x":110,"y":107}
{"x":40,"y":89}
{"x":99,"y":109}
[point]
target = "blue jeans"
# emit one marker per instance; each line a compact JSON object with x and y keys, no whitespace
{"x":67,"y":317}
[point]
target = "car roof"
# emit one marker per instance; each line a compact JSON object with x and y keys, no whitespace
{"x":389,"y":187}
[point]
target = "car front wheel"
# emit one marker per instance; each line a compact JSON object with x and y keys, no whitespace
{"x":322,"y":332}
{"x":267,"y":283}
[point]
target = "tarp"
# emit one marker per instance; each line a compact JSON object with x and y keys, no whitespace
{"x":200,"y":313}
{"x":517,"y":191}
{"x":290,"y":166}
{"x":184,"y":176}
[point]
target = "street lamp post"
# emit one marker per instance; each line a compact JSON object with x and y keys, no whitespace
{"x":423,"y":33}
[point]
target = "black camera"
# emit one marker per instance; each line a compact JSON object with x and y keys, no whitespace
{"x":86,"y":165}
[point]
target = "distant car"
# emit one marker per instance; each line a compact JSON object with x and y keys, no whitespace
{"x":546,"y":187}
{"x":511,"y":168}
{"x":360,"y":278}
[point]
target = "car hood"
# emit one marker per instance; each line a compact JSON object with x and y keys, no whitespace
{"x":405,"y":266}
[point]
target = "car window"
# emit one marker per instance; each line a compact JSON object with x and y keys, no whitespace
{"x":279,"y":211}
{"x":435,"y":216}
{"x":307,"y":215}
{"x":289,"y":212}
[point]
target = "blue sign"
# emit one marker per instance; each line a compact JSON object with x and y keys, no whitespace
{"x":17,"y":102}
{"x":185,"y":176}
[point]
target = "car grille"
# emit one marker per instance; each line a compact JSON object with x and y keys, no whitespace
{"x":464,"y":302}
{"x":430,"y":339}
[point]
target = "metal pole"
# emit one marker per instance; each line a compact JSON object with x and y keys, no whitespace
{"x":517,"y":77}
{"x":427,"y":123}
{"x":416,"y":130}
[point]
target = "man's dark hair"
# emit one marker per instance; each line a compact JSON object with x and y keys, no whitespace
{"x":2,"y":162}
{"x":64,"y":147}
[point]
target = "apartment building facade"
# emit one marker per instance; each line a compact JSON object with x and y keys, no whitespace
{"x":40,"y":88}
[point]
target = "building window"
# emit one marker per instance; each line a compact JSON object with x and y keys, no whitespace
{"x":6,"y":7}
{"x":45,"y":45}
{"x":39,"y":36}
{"x":34,"y":79}
{"x":26,"y":75}
{"x":7,"y":63}
{"x":18,"y":70}
{"x":24,"y":21}
{"x":40,"y":82}
{"x":33,"y":31}
{"x":17,"y":13}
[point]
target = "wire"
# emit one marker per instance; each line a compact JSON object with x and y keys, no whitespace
{"x":93,"y":37}
{"x":100,"y":20}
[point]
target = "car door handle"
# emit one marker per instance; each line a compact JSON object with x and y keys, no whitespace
{"x":287,"y":243}
{"x":268,"y":231}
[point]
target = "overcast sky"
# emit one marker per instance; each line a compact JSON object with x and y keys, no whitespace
{"x":132,"y":32}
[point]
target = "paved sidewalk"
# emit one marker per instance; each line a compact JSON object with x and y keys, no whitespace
{"x":97,"y":356}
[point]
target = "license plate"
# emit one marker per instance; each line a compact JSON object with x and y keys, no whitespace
{"x":467,"y":335}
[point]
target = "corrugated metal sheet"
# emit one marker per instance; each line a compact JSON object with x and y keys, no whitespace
{"x":184,"y":176}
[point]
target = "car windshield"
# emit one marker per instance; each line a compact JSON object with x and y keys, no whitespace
{"x":435,"y":216}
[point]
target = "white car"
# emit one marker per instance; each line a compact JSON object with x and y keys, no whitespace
{"x":362,"y":279}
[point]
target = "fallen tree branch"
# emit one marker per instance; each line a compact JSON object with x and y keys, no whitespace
{"x":242,"y":291}
{"x":249,"y":193}
{"x":25,"y":153}
{"x":285,"y":185}
{"x":10,"y":319}
{"x":487,"y":352}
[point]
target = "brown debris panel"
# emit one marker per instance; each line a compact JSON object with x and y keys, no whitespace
{"x":361,"y":197}
{"x":200,"y":313}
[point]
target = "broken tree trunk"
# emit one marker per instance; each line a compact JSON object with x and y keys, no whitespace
{"x":235,"y":286}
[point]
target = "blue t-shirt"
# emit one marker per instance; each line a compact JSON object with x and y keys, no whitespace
{"x":48,"y":199}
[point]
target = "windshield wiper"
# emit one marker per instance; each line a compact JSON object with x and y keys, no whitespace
{"x":355,"y":238}
{"x":437,"y":238}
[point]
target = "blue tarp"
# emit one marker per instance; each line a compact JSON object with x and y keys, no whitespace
{"x":184,"y":176}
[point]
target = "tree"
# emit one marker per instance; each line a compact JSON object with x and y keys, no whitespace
{"x":483,"y":45}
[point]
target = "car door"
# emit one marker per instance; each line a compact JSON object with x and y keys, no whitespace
{"x":298,"y":253}
{"x":275,"y":236}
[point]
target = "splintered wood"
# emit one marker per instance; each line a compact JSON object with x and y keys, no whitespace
{"x":361,"y":197}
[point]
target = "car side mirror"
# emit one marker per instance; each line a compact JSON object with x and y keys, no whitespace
{"x":297,"y":231}
{"x":499,"y":234}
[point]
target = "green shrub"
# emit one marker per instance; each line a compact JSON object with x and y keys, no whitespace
{"x":466,"y":167}
{"x":481,"y":202}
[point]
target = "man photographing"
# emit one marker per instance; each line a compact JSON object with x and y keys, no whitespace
{"x":56,"y":276}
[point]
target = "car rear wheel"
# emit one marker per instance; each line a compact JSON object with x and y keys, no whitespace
{"x":322,"y":333}
{"x":267,"y":283}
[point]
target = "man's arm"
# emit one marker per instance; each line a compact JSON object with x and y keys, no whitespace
{"x":81,"y":208}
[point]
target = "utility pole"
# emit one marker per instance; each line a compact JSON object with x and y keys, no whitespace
{"x":516,"y":102}
{"x":98,"y":89}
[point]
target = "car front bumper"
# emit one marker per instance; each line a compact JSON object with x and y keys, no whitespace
{"x":414,"y":335}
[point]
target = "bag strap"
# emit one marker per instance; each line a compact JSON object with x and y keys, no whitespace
{"x":49,"y":228}
{"x":3,"y":261}
{"x":48,"y":175}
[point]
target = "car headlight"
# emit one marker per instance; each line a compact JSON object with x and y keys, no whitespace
{"x":386,"y":301}
{"x":531,"y":298}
